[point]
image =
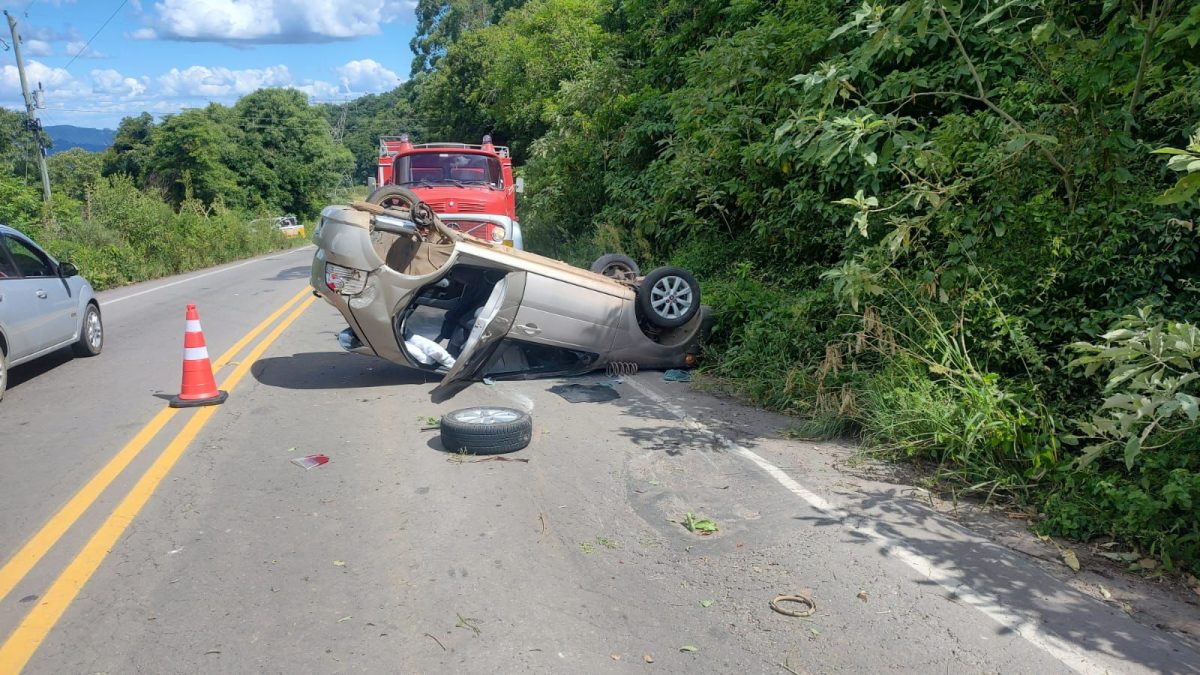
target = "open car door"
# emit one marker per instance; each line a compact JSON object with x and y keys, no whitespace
{"x":494,"y":322}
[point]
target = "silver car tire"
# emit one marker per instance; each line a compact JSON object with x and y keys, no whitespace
{"x":668,"y":297}
{"x":91,"y":333}
{"x":486,"y":430}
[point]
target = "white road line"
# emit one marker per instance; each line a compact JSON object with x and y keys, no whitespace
{"x":106,"y":302}
{"x":1064,"y":651}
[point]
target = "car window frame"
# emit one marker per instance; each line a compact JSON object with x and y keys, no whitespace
{"x":37,"y":251}
{"x":6,"y":257}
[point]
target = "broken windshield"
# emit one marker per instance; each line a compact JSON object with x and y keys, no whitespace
{"x":460,"y":169}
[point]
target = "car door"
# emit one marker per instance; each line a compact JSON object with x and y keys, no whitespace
{"x":40,"y":302}
{"x":495,"y":321}
{"x":562,"y":314}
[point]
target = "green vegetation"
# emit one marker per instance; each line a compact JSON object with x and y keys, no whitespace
{"x":188,"y":192}
{"x":965,"y":232}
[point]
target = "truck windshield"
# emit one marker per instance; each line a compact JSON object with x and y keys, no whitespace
{"x":448,"y":168}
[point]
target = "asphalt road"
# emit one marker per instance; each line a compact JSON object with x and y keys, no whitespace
{"x":204,"y":549}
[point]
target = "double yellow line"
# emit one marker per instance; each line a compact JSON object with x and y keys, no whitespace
{"x":32,"y":631}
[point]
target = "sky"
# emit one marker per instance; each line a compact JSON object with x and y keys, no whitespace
{"x":167,"y":55}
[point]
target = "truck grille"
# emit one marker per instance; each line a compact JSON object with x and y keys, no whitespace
{"x":460,"y":206}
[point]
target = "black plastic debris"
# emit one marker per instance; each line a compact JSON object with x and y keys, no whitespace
{"x":585,"y":393}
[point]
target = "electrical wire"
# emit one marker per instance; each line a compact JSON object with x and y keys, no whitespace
{"x":98,"y":30}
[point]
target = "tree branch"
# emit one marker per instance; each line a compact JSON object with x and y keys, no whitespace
{"x":1068,"y":183}
{"x":1153,"y":22}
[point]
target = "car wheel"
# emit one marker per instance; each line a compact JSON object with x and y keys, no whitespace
{"x":486,"y":430}
{"x":91,"y":334}
{"x":668,"y":297}
{"x":618,"y":266}
{"x":394,"y":196}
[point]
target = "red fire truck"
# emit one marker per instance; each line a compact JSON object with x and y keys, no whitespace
{"x":470,"y":187}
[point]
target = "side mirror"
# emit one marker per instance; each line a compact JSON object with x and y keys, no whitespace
{"x":519,"y":185}
{"x":67,"y":270}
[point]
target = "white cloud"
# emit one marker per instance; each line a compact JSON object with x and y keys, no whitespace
{"x":36,"y":48}
{"x":144,"y":34}
{"x":201,"y":81}
{"x":271,"y":21}
{"x":58,"y":84}
{"x":367,"y":76}
{"x":77,"y":48}
{"x":112,"y":83}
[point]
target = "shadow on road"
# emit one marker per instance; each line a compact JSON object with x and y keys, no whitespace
{"x":333,"y":370}
{"x":1001,"y":578}
{"x":27,"y":371}
{"x":301,"y":272}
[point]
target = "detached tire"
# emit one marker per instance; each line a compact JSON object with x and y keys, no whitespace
{"x":616,"y":266}
{"x":668,"y":297}
{"x":486,"y":430}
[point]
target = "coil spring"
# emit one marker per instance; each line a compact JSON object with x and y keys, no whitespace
{"x":621,"y":368}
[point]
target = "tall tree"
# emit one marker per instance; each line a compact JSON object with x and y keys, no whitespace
{"x":130,"y":152}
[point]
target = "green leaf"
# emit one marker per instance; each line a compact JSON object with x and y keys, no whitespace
{"x":1041,"y":33}
{"x":689,"y":648}
{"x":706,"y":603}
{"x":995,"y":13}
{"x":1132,"y":449}
{"x":1189,"y":404}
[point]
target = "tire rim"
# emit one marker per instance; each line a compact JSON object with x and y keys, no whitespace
{"x":488,"y":416}
{"x":671,"y":297}
{"x":618,"y":271}
{"x":95,"y":332}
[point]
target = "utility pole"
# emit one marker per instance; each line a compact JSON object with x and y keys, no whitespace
{"x":31,"y":120}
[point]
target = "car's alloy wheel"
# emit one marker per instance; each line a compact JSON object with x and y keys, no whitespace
{"x":669,"y":297}
{"x":486,"y":430}
{"x":616,"y":266}
{"x":91,"y":335}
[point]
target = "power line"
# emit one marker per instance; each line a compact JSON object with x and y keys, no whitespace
{"x":89,"y":42}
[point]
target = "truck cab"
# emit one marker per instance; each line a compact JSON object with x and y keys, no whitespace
{"x":470,"y":187}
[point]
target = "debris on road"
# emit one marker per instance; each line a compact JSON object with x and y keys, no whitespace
{"x":647,"y":658}
{"x":689,"y":648}
{"x":465,"y":622}
{"x":439,"y":642}
{"x":706,"y":603}
{"x":1070,"y":559}
{"x":810,"y":606}
{"x":585,"y":393}
{"x":429,"y":422}
{"x":339,"y":563}
{"x":344,"y":619}
{"x":310,"y":461}
{"x":677,"y":375}
{"x":862,"y":595}
{"x":701,"y":526}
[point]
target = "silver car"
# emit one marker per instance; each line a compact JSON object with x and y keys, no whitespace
{"x":44,"y":305}
{"x":421,"y":294}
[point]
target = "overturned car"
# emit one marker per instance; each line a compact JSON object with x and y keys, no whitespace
{"x":422,"y":295}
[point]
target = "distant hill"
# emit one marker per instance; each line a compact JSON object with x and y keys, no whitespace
{"x":66,"y":137}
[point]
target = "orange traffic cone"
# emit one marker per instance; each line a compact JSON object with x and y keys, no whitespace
{"x":199,"y":387}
